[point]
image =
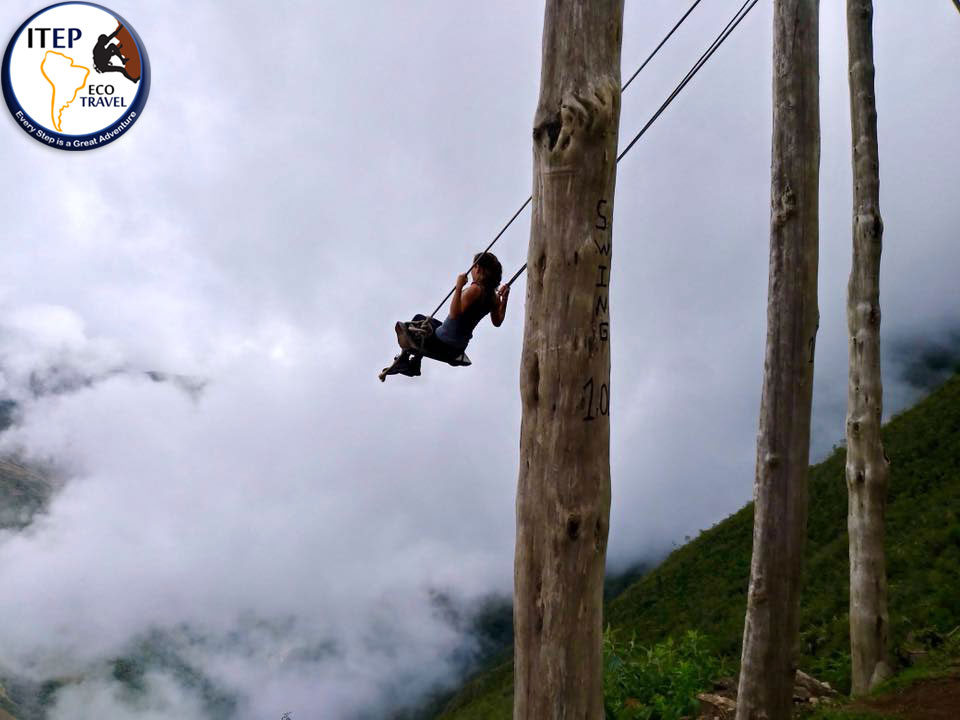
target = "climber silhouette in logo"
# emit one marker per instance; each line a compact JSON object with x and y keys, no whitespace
{"x":105,"y":50}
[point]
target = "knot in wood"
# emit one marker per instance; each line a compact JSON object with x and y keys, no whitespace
{"x":599,"y":536}
{"x":584,"y":115}
{"x":786,"y":206}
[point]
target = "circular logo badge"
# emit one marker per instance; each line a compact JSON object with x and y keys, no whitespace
{"x":75,"y":76}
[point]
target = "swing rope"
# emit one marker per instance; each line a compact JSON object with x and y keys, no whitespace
{"x":744,"y":10}
{"x":530,"y":199}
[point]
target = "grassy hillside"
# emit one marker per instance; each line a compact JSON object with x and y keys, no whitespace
{"x":703,"y":584}
{"x":24,"y":491}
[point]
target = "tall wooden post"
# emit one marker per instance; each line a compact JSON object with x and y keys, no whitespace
{"x":783,"y":443}
{"x":866,"y":468}
{"x":563,"y":493}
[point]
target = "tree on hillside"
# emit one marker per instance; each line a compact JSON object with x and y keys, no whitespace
{"x":563,"y":493}
{"x":783,"y":442}
{"x":866,"y":468}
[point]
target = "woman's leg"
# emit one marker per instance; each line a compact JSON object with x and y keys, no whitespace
{"x":414,"y":334}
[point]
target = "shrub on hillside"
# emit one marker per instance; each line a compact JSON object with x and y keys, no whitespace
{"x":656,"y":683}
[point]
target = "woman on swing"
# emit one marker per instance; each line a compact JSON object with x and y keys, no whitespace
{"x":468,"y":306}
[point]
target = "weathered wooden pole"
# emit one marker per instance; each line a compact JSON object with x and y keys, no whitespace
{"x":866,"y":468}
{"x":563,"y":493}
{"x":783,"y":444}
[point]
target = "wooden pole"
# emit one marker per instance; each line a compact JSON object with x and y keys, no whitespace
{"x":866,"y":468}
{"x":563,"y":493}
{"x":783,"y":444}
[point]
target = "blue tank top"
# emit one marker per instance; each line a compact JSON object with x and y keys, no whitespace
{"x":458,"y":331}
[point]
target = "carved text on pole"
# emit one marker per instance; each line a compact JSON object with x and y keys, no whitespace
{"x":597,"y":396}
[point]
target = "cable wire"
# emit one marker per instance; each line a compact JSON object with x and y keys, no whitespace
{"x":714,"y":46}
{"x":530,"y":199}
{"x":664,"y":42}
{"x":744,"y":10}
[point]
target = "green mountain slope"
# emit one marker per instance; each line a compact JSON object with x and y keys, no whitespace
{"x":24,"y":491}
{"x":703,"y":584}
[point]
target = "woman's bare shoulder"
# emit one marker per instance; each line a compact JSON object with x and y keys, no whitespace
{"x":471,"y":293}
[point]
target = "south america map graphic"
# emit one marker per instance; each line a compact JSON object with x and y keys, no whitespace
{"x":66,"y":80}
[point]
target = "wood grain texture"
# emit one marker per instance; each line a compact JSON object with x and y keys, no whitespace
{"x":563,"y":492}
{"x":866,"y":467}
{"x":783,"y":441}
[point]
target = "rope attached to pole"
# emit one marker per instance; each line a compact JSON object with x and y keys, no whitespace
{"x":530,"y":199}
{"x":744,"y":10}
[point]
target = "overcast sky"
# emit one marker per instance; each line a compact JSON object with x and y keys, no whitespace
{"x":304,"y":175}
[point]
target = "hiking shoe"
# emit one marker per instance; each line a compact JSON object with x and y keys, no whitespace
{"x":411,"y":371}
{"x":411,"y":365}
{"x":406,"y":363}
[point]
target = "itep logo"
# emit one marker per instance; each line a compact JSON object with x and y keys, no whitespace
{"x":75,"y":76}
